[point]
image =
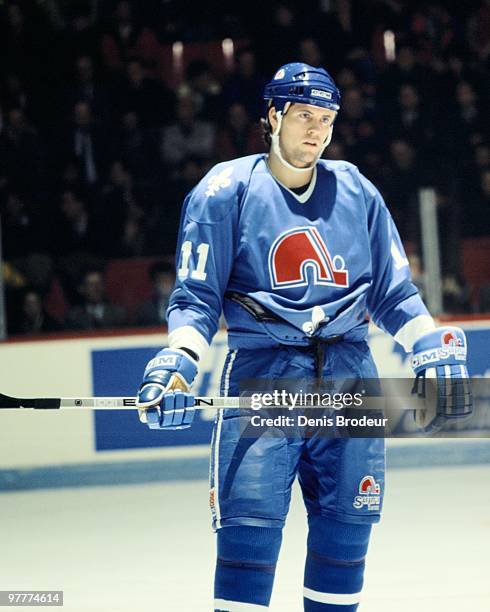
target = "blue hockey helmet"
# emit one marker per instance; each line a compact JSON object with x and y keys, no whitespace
{"x":303,"y":84}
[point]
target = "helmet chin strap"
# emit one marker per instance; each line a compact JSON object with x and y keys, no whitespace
{"x":275,"y":146}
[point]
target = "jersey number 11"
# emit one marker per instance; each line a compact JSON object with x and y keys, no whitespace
{"x":202,"y":251}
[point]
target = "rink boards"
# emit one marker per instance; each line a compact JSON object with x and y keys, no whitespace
{"x":114,"y":445}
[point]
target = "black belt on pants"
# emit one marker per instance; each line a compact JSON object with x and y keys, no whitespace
{"x":262,"y":314}
{"x":318,"y":346}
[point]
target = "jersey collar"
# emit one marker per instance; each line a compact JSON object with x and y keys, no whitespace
{"x":303,"y":197}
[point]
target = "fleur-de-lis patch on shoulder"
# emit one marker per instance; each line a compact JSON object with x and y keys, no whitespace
{"x":219,"y":181}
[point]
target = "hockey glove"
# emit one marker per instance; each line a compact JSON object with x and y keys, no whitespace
{"x":439,"y":362}
{"x":163,"y":398}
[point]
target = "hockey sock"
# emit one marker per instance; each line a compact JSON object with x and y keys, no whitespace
{"x":245,"y":567}
{"x":334,"y":568}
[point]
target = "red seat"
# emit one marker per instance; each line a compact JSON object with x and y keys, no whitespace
{"x":476,"y":263}
{"x":55,"y":301}
{"x":127,"y":282}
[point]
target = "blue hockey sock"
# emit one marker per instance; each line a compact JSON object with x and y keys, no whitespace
{"x":245,"y":567}
{"x":334,"y":567}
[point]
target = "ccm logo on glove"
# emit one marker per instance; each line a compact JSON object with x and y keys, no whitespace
{"x":166,"y":361}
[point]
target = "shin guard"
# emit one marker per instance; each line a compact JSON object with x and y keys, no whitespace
{"x":334,"y":568}
{"x":245,"y":567}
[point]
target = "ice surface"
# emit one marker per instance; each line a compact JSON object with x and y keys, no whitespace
{"x":149,"y":548}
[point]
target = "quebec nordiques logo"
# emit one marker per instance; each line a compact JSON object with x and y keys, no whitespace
{"x":450,"y":339}
{"x":369,"y":494}
{"x":298,"y":249}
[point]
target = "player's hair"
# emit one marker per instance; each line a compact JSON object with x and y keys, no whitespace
{"x":266,"y":127}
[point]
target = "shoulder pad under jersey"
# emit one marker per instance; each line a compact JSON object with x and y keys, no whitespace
{"x":338,"y":165}
{"x":219,"y":191}
{"x":370,"y":191}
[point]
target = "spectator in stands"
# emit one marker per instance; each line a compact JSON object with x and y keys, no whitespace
{"x":87,"y":88}
{"x":116,"y":99}
{"x":15,"y":95}
{"x":20,"y":148}
{"x":465,"y":126}
{"x":85,"y":139}
{"x":16,"y":41}
{"x":18,"y":228}
{"x":71,"y":179}
{"x":188,"y":136}
{"x":153,"y":311}
{"x":33,"y":317}
{"x":469,"y":180}
{"x":476,"y":218}
{"x":406,"y":69}
{"x":343,"y":29}
{"x":335,"y":151}
{"x":355,"y":126}
{"x":84,"y":86}
{"x":410,"y":121}
{"x":455,"y":294}
{"x":38,"y":271}
{"x":73,"y":231}
{"x":127,"y":39}
{"x":479,"y":31}
{"x":95,"y":311}
{"x":403,"y":179}
{"x":150,"y":99}
{"x":457,"y":67}
{"x":309,"y":52}
{"x":279,"y":27}
{"x":81,"y":35}
{"x":481,"y":156}
{"x":239,"y":136}
{"x":470,"y":114}
{"x":434,"y":28}
{"x":120,"y":215}
{"x":245,"y":85}
{"x":346,"y":79}
{"x":164,"y":223}
{"x":353,"y":113}
{"x":138,"y":148}
{"x":205,"y":90}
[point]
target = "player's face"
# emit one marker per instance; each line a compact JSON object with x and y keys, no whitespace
{"x":303,"y":132}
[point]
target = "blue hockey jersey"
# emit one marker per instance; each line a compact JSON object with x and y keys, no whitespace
{"x":286,"y":268}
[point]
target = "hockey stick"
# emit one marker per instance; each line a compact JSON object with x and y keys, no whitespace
{"x":107,"y":403}
{"x":200,"y":403}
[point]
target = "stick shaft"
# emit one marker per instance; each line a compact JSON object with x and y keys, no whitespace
{"x":201,"y":403}
{"x":106,"y":403}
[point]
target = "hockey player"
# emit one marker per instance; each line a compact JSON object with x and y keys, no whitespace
{"x":296,"y":251}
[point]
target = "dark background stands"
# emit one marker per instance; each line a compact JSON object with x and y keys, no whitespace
{"x":99,"y":146}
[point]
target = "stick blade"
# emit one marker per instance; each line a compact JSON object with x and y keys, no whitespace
{"x":7,"y":402}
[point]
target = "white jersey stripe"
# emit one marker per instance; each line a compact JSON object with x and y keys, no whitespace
{"x":339,"y":599}
{"x":237,"y":606}
{"x":219,"y":422}
{"x":226,"y":383}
